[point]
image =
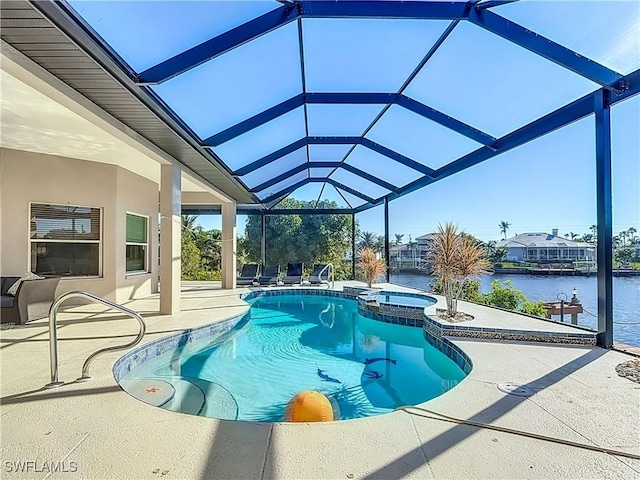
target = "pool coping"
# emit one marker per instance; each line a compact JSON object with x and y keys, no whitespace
{"x":426,"y":317}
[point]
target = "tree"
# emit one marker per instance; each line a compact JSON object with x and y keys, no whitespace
{"x":398,"y":240}
{"x":617,"y":242}
{"x":368,"y":240}
{"x":190,"y":258}
{"x":209,"y":244}
{"x":573,"y":235}
{"x":587,"y":238}
{"x":624,"y":254}
{"x":623,"y":238}
{"x":379,"y":244}
{"x":499,"y":255}
{"x":305,"y":238}
{"x":370,"y":265}
{"x":455,"y":258}
{"x":189,"y":225}
{"x":504,"y":226}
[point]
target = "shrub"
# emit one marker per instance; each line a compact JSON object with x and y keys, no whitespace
{"x":504,"y":295}
{"x":455,"y":257}
{"x":370,"y":265}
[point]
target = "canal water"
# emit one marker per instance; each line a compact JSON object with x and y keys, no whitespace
{"x":626,"y":297}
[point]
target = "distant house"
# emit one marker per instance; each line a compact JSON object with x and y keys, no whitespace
{"x":542,"y":247}
{"x":411,"y":256}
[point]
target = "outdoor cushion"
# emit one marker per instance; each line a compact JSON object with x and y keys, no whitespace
{"x":13,"y":289}
{"x":7,"y":301}
{"x":294,"y":273}
{"x":248,"y":274}
{"x":270,"y":274}
{"x":6,"y":283}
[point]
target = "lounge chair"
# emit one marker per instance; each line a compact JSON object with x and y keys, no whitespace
{"x":294,"y":273}
{"x":321,"y":274}
{"x":270,"y":274}
{"x":248,"y":275}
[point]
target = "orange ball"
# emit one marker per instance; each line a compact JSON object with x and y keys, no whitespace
{"x":309,"y":406}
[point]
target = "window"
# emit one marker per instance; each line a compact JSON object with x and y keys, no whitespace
{"x":65,"y":239}
{"x":137,"y":243}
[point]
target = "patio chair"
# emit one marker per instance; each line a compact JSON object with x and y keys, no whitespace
{"x":321,"y":274}
{"x":248,"y":275}
{"x":294,"y":273}
{"x":270,"y":275}
{"x":31,"y":301}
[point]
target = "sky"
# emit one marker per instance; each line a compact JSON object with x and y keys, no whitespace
{"x":475,"y":77}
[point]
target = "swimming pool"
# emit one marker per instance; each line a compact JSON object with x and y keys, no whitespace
{"x":294,"y":342}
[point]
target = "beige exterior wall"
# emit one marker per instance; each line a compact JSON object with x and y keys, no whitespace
{"x":32,"y":177}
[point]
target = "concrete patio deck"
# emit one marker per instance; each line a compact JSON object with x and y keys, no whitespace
{"x":99,"y":431}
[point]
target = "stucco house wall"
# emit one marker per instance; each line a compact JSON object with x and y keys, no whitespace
{"x":27,"y":177}
{"x":515,"y":254}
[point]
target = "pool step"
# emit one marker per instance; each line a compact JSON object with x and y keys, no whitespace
{"x":189,"y":397}
{"x":153,"y":391}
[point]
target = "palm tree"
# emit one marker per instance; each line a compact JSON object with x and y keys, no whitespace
{"x":455,"y":257}
{"x":367,"y":240}
{"x":504,"y":226}
{"x":208,"y":242}
{"x":398,"y":240}
{"x":379,"y":244}
{"x":573,"y":235}
{"x":623,"y":238}
{"x":631,"y":231}
{"x":617,"y":242}
{"x":411,"y":244}
{"x":189,"y":225}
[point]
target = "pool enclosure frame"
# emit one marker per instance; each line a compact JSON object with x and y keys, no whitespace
{"x":614,"y":88}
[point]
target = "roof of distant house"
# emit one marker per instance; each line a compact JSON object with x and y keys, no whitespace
{"x":540,"y":240}
{"x":426,"y":237}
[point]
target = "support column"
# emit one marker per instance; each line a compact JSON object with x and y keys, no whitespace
{"x":170,"y":238}
{"x":605,"y":219}
{"x":353,"y":246}
{"x":263,"y":240}
{"x":386,"y":237}
{"x":229,"y":267}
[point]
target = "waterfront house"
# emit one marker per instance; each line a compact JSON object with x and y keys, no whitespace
{"x":411,"y":255}
{"x":544,"y":247}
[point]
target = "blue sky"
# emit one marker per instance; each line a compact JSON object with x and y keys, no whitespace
{"x":475,"y":77}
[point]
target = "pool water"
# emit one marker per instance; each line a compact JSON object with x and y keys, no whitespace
{"x":406,"y":300}
{"x":307,"y":342}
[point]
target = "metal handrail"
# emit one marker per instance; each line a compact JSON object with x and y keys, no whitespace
{"x":53,"y":334}
{"x":332,"y":274}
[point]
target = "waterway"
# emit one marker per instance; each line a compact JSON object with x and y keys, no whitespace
{"x":626,"y":297}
